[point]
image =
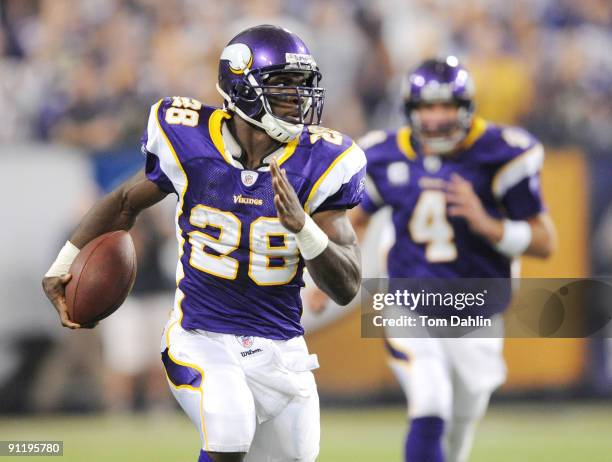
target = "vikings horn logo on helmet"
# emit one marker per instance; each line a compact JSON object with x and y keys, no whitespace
{"x":239,"y":56}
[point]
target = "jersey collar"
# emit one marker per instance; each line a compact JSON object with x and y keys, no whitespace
{"x":478,"y":128}
{"x":476,"y":131}
{"x":230,"y":149}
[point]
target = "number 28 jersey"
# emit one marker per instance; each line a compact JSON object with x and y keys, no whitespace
{"x":239,"y":270}
{"x":503,"y":165}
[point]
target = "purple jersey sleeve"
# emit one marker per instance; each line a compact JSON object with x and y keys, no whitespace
{"x":153,"y":169}
{"x":524,"y":200}
{"x":517,"y":184}
{"x":342,"y":183}
{"x":348,"y":196}
{"x":155,"y":174}
{"x":161,"y":166}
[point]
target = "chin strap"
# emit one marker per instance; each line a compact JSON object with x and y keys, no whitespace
{"x":279,"y":129}
{"x":275,"y":128}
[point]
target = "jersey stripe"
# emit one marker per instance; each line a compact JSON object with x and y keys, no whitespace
{"x":523,"y":166}
{"x":340,"y":171}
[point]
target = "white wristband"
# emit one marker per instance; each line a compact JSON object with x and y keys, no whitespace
{"x":311,"y":239}
{"x":64,"y":259}
{"x":516,"y":238}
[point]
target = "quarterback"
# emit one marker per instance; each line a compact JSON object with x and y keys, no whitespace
{"x":465,"y":202}
{"x":262,"y":191}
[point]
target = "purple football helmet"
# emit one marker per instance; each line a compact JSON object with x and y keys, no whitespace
{"x":268,"y":77}
{"x":440,"y":81}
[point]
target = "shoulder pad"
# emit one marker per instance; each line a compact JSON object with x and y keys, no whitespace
{"x":371,"y":139}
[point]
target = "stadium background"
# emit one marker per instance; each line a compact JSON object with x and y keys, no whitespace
{"x":76,"y":80}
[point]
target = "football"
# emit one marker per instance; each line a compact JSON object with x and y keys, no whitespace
{"x":103,"y":274}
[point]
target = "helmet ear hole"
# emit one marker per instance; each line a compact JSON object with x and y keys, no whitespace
{"x":243,"y":91}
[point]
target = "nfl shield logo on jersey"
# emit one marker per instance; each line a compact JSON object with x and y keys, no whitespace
{"x":245,"y":340}
{"x":248,"y":177}
{"x":432,"y":163}
{"x":398,"y":173}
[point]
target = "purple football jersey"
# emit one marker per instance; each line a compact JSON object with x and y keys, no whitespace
{"x":240,"y":271}
{"x":503,"y":165}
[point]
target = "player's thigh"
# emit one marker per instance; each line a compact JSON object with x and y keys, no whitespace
{"x":211,"y":388}
{"x":293,"y":434}
{"x":478,"y":369}
{"x":478,"y":363}
{"x":423,"y":372}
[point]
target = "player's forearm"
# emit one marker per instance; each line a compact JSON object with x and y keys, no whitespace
{"x":117,"y":210}
{"x":543,"y":237}
{"x":108,"y":214}
{"x":540,"y":240}
{"x":337,"y":271}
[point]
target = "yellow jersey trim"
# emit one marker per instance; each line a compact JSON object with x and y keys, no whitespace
{"x":289,"y":150}
{"x":404,"y":144}
{"x":478,"y":128}
{"x":322,"y":177}
{"x":214,"y":128}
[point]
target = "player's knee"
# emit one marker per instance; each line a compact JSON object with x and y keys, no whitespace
{"x":429,"y":390}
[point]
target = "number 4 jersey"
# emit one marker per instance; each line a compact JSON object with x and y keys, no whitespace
{"x":240,"y":271}
{"x":503,"y":165}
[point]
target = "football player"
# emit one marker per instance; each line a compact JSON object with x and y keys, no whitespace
{"x":465,"y":202}
{"x":262,"y":192}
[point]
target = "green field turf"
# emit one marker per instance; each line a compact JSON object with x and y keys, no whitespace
{"x":557,"y":433}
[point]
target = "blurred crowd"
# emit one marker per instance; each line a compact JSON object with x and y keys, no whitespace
{"x":84,"y":72}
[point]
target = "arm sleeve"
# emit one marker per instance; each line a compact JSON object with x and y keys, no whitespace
{"x":524,"y":200}
{"x":162,"y":166}
{"x":517,"y":184}
{"x":348,"y":196}
{"x":155,"y":174}
{"x":342,"y":186}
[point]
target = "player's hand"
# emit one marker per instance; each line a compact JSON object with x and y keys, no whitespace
{"x":463,"y":202}
{"x":288,"y":207}
{"x":55,"y":290}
